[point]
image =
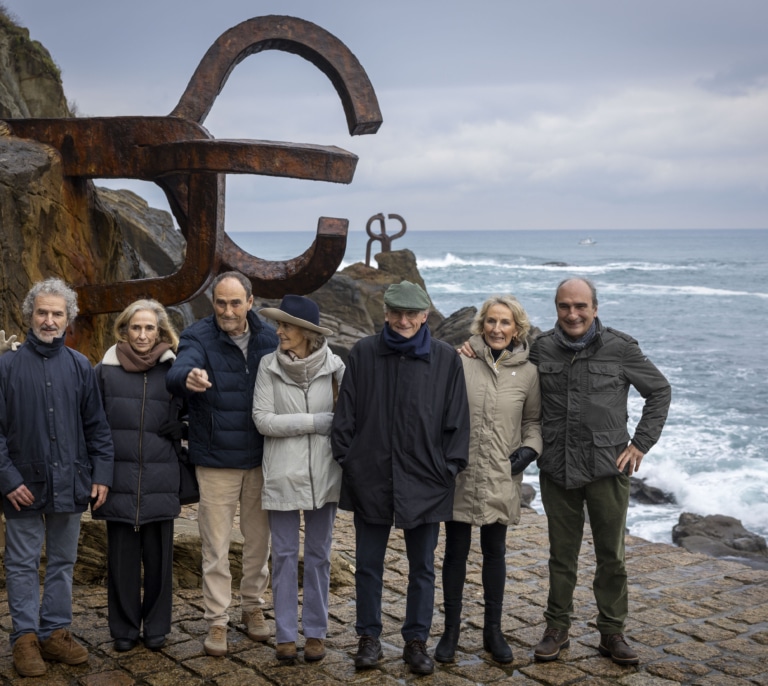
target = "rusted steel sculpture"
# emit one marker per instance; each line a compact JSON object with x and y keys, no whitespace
{"x":386,"y":241}
{"x":181,"y":157}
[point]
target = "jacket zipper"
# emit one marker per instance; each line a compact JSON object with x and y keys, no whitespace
{"x":141,"y":452}
{"x":309,"y":454}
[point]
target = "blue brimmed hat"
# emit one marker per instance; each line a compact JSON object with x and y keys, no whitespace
{"x":299,"y":311}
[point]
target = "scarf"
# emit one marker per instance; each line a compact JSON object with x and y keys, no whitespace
{"x":417,"y":346}
{"x":43,"y":348}
{"x":132,"y":361}
{"x":579,"y":344}
{"x":303,"y":370}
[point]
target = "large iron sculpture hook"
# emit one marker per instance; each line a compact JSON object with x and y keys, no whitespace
{"x":181,"y":157}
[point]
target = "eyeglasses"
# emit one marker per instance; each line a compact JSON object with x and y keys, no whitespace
{"x":409,"y":314}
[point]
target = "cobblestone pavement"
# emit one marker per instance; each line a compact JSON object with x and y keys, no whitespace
{"x":693,"y":619}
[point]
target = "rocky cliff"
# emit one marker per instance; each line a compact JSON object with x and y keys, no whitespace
{"x":51,"y":225}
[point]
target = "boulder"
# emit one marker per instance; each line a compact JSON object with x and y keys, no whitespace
{"x":648,"y":495}
{"x":455,"y":328}
{"x":528,"y":494}
{"x":720,"y":536}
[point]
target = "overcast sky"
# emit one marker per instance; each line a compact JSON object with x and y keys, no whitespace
{"x":498,"y":114}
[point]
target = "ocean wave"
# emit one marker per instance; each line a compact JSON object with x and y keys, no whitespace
{"x":450,"y":260}
{"x":644,"y":288}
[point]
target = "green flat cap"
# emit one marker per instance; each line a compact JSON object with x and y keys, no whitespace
{"x":406,"y":296}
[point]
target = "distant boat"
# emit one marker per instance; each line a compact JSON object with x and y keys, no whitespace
{"x":587,"y":241}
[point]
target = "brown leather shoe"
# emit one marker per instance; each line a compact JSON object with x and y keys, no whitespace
{"x":314,"y":650}
{"x":553,"y":641}
{"x":255,"y":625}
{"x":61,"y":646}
{"x":26,"y":656}
{"x":286,"y":652}
{"x":616,"y":647}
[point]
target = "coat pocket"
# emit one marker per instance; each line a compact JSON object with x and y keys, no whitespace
{"x":35,"y":477}
{"x":604,"y":377}
{"x":83,"y":482}
{"x":606,"y":447}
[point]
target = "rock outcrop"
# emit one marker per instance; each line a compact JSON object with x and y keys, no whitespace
{"x":30,"y":81}
{"x":54,"y":225}
{"x":720,"y":536}
{"x":641,"y":492}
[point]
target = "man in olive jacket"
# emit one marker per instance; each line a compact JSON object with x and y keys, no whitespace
{"x":585,"y":371}
{"x":400,"y":434}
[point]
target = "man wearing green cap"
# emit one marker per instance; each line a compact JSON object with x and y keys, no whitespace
{"x":400,"y":434}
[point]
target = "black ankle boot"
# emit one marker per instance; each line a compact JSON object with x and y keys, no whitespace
{"x":446,"y":646}
{"x":495,"y":643}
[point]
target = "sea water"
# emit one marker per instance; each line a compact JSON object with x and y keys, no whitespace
{"x":696,"y":301}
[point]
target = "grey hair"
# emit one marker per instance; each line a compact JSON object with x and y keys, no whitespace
{"x":522,"y":323}
{"x":589,"y":284}
{"x":50,"y":286}
{"x":244,"y":281}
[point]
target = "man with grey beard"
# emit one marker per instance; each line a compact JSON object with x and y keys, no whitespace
{"x":56,"y":457}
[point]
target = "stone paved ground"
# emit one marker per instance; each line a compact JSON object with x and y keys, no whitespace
{"x":693,"y":619}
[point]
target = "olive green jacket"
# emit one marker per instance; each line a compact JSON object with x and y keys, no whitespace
{"x":584,"y":405}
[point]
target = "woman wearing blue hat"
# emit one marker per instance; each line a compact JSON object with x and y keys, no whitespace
{"x":293,"y":405}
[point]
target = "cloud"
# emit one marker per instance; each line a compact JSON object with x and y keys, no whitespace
{"x":496,"y":114}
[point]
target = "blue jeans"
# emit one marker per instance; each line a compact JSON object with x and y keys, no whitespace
{"x":318,"y":536}
{"x":371,"y":546}
{"x":23,"y":544}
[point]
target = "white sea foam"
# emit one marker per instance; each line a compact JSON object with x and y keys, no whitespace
{"x":656,"y":289}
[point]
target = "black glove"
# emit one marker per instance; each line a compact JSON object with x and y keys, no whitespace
{"x":172,"y":430}
{"x":521,"y":458}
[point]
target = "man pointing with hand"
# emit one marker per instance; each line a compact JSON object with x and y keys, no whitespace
{"x":215,"y":369}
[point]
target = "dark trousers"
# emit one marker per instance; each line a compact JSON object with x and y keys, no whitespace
{"x":127,"y":550}
{"x":607,"y":501}
{"x":493,"y":544}
{"x":370,"y":549}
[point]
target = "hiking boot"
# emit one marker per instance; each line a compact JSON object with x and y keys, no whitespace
{"x":553,"y":641}
{"x":616,"y":647}
{"x":61,"y":646}
{"x":286,"y":652}
{"x":256,"y":626}
{"x":216,"y":641}
{"x":415,"y":654}
{"x":26,"y":656}
{"x":314,"y":650}
{"x":368,"y":652}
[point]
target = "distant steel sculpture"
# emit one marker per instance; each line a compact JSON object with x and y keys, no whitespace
{"x":386,"y":241}
{"x":181,"y":157}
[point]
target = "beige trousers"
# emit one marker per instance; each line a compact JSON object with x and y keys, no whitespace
{"x":221,"y":490}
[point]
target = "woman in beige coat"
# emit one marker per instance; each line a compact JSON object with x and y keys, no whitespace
{"x":505,"y":413}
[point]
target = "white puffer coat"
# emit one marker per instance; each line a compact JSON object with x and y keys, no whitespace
{"x":299,"y":470}
{"x":504,"y":414}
